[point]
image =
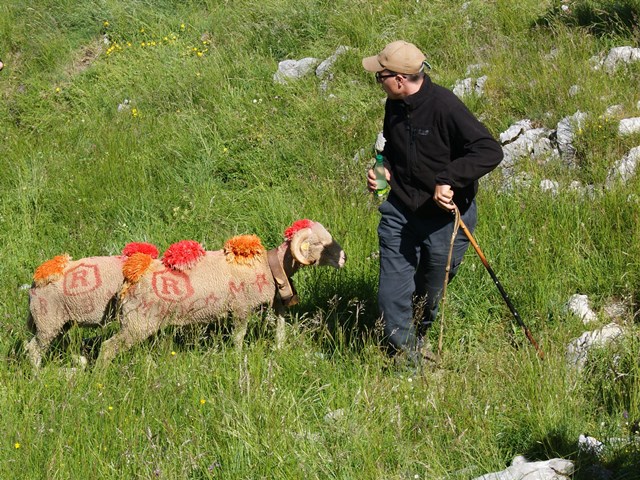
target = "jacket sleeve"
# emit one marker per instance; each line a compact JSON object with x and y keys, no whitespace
{"x":474,"y":151}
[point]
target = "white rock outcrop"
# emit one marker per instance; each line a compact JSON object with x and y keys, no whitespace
{"x":549,"y":186}
{"x":578,"y":349}
{"x":470,"y":86}
{"x":629,"y":126}
{"x":294,"y":69}
{"x":522,"y":140}
{"x":579,"y":306}
{"x":521,"y":469}
{"x":618,"y":55}
{"x":565,"y":134}
{"x":625,"y":168}
{"x":325,"y":65}
{"x":380,"y":142}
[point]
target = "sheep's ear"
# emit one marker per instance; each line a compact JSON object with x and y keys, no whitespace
{"x":301,"y":246}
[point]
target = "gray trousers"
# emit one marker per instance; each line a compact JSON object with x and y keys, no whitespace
{"x":413,"y":258}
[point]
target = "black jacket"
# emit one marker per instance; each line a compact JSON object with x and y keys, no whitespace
{"x":432,"y":138}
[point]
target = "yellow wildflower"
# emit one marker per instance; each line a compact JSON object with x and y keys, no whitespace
{"x":17,"y":445}
{"x":202,"y":401}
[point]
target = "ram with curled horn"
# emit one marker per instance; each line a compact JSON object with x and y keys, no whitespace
{"x":190,"y":285}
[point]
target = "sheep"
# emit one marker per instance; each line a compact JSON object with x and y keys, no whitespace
{"x":82,"y":292}
{"x":190,"y":285}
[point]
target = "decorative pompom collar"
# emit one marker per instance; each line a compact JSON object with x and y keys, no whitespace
{"x":183,"y":255}
{"x":296,"y":227}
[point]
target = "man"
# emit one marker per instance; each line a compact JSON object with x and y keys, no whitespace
{"x":435,"y":152}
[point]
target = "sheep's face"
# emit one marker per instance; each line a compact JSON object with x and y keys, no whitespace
{"x":316,"y":246}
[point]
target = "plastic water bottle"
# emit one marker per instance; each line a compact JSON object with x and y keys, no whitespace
{"x":382,"y":186}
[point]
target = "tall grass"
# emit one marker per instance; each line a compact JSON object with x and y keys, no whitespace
{"x":174,"y":129}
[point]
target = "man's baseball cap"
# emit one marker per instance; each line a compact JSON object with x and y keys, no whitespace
{"x":399,"y":57}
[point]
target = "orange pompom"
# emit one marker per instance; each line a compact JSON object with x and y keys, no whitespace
{"x":183,"y":255}
{"x":243,"y":249}
{"x":297,"y":226}
{"x":51,"y":270}
{"x":135,"y":266}
{"x":140,"y":247}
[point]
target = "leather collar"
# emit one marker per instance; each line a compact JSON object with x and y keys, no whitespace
{"x":286,"y":291}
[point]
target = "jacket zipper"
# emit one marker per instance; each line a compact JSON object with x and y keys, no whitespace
{"x":412,"y":152}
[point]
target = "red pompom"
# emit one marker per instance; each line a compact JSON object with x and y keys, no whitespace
{"x":296,"y":226}
{"x":183,"y":255}
{"x":140,"y":247}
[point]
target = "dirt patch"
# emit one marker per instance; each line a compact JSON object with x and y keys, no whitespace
{"x":85,"y":57}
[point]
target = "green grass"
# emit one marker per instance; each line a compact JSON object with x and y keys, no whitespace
{"x":210,"y":147}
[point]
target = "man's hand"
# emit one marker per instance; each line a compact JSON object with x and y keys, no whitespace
{"x":443,"y":196}
{"x":371,"y":179}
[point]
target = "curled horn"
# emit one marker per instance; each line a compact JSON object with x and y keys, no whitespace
{"x":300,"y":246}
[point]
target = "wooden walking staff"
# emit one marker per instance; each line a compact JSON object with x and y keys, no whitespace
{"x":502,"y":291}
{"x":456,"y":225}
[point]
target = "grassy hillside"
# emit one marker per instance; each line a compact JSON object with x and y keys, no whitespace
{"x":160,"y":121}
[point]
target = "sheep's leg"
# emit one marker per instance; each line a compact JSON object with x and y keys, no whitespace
{"x":38,"y":345}
{"x":34,"y":352}
{"x":280,"y":324}
{"x":240,"y":322}
{"x":122,"y":341}
{"x":280,"y":331}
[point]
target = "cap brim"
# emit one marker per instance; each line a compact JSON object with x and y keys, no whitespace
{"x":371,"y":64}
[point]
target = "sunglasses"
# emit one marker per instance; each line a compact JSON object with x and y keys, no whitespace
{"x":380,"y":78}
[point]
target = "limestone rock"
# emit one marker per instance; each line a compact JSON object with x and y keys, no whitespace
{"x":629,"y":126}
{"x":294,"y":69}
{"x":521,"y":469}
{"x":579,"y":306}
{"x":578,"y":349}
{"x":625,"y":168}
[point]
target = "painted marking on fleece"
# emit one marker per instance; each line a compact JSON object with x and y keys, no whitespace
{"x":211,"y":299}
{"x":261,"y":281}
{"x":84,"y":305}
{"x":171,"y":285}
{"x":40,"y":304}
{"x":235,"y":288}
{"x":81,"y":279}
